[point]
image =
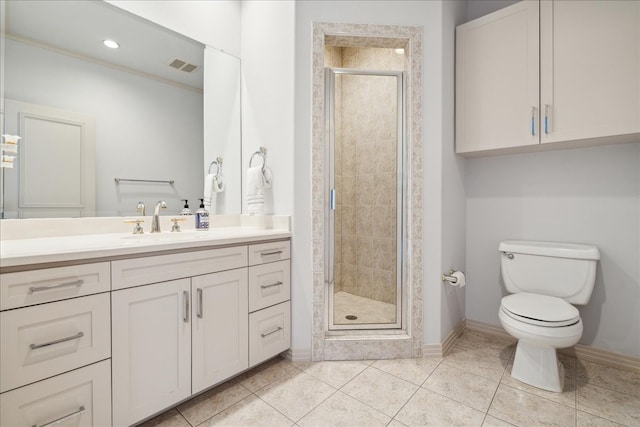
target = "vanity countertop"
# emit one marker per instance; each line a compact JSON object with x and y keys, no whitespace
{"x":21,"y":252}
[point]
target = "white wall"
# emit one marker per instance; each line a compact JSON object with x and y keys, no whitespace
{"x":478,"y":8}
{"x":137,"y":119}
{"x":588,"y":195}
{"x":267,"y":48}
{"x":214,"y":23}
{"x":453,"y":174}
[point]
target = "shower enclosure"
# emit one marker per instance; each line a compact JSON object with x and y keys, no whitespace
{"x":365,"y":198}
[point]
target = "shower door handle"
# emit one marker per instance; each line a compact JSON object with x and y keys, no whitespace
{"x":332,"y":199}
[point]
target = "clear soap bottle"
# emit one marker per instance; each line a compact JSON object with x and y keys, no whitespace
{"x":202,"y":217}
{"x":186,"y":210}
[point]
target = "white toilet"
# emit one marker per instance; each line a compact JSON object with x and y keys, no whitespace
{"x":544,"y":279}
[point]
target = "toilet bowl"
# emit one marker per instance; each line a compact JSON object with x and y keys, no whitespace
{"x":544,"y":278}
{"x":536,"y":362}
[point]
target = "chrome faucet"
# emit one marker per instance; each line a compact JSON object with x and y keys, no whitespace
{"x":141,"y":209}
{"x":155,"y":224}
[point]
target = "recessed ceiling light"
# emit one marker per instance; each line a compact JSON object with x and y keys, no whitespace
{"x":110,"y":44}
{"x":400,"y":51}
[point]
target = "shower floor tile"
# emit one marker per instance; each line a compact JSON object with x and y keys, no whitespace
{"x":365,"y":309}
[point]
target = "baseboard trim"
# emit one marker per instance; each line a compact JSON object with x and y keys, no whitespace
{"x":299,"y":355}
{"x":441,"y":350}
{"x":604,"y":357}
{"x":581,"y":351}
{"x":474,"y":325}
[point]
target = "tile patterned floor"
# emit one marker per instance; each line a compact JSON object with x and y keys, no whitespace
{"x":469,"y":387}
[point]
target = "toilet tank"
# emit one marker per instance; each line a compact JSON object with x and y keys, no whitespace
{"x":563,"y":270}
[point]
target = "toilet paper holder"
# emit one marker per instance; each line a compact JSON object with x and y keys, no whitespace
{"x":449,"y":278}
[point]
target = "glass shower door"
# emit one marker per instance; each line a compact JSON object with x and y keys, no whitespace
{"x":364,"y":182}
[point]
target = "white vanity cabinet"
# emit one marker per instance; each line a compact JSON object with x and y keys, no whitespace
{"x":112,"y":343}
{"x":181,"y":323}
{"x":269,"y":301}
{"x":55,"y":336}
{"x":548,"y":71}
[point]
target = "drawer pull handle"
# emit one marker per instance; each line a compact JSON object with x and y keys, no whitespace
{"x":185,"y":313}
{"x":278,"y":283}
{"x":50,"y":287}
{"x":61,"y":340}
{"x":199,"y":290}
{"x":61,"y":419}
{"x":270,"y":253}
{"x":279,"y":328}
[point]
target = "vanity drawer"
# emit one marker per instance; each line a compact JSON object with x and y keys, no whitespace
{"x":269,"y":252}
{"x":81,"y":397}
{"x":49,"y":339}
{"x":269,"y":332}
{"x":162,"y":268}
{"x":269,"y":284}
{"x":26,"y":288}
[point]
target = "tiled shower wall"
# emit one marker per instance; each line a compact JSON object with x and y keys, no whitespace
{"x":366,"y":172}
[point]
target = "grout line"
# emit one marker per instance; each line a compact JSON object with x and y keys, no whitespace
{"x":365,"y":403}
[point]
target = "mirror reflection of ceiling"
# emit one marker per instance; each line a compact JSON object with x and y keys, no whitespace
{"x":79,"y":27}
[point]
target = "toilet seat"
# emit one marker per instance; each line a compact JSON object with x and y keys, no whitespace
{"x":540,"y":310}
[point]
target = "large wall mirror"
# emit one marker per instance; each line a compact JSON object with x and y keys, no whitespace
{"x":103,"y":129}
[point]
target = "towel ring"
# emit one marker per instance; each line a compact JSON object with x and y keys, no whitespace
{"x":218,"y":163}
{"x":262,"y":152}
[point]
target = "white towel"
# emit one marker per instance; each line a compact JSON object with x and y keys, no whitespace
{"x":255,"y":190}
{"x":267,"y":178}
{"x":210,"y":193}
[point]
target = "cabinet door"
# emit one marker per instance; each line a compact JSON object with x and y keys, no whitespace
{"x":497,"y":80}
{"x":151,"y":349}
{"x":220,"y":327}
{"x":590,"y":68}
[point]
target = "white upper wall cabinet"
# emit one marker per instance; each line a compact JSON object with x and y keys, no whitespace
{"x":589,"y":69}
{"x":497,"y":75}
{"x":587,"y":87}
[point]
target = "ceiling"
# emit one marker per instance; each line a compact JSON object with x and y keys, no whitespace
{"x":79,"y":27}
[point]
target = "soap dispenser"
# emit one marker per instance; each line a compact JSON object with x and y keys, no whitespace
{"x":202,"y":217}
{"x":186,"y":210}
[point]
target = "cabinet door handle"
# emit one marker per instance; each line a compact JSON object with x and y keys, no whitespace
{"x":270,"y":253}
{"x":279,"y":328}
{"x":278,"y":283}
{"x":546,"y":118}
{"x":58,"y":341}
{"x":199,"y":313}
{"x":533,"y":121}
{"x":185,"y":313}
{"x":61,"y":419}
{"x":33,"y":289}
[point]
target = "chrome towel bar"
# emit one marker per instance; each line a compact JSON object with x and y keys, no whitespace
{"x":118,"y":180}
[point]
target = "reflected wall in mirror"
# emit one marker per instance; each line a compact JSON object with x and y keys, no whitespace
{"x":140,"y":109}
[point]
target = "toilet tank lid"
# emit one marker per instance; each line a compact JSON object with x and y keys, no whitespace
{"x":552,"y":249}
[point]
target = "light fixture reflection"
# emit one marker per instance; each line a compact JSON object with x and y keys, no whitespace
{"x":110,"y":44}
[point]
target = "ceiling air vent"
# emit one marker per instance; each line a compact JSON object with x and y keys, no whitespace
{"x":181,"y":65}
